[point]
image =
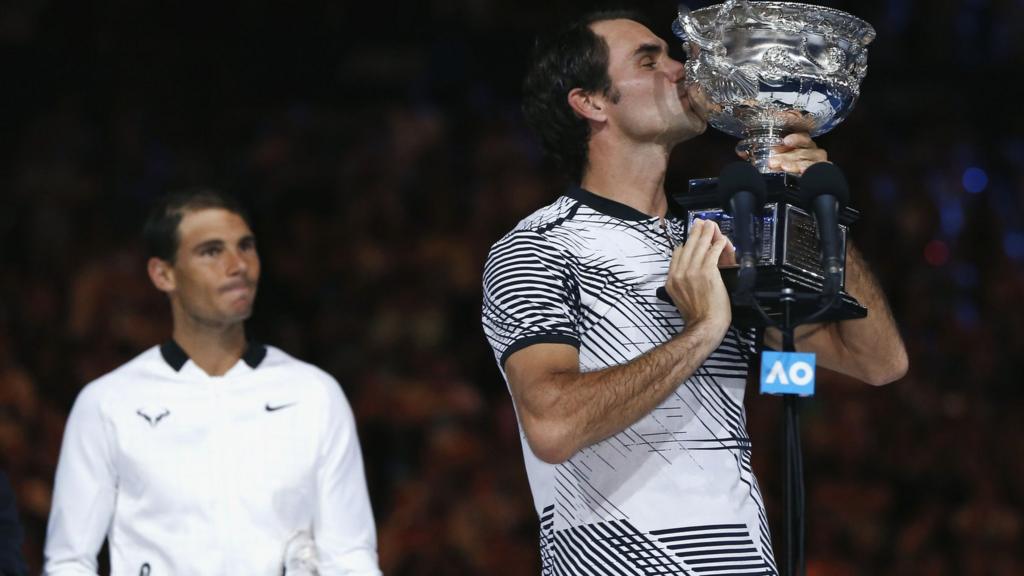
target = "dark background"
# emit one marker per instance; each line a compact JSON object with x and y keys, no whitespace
{"x":381,"y":151}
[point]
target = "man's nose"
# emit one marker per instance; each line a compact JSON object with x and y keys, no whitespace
{"x":236,"y":263}
{"x":677,"y":70}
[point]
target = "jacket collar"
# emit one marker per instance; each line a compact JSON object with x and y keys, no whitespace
{"x":176,"y":357}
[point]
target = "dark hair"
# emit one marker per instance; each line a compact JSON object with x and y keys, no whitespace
{"x":161,"y":230}
{"x":573,"y":57}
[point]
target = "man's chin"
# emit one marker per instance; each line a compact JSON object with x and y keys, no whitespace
{"x":236,"y":315}
{"x":244,"y":315}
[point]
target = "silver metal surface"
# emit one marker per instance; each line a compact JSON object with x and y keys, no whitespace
{"x":762,"y":70}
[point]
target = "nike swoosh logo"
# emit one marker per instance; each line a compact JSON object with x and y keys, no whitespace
{"x":274,"y":408}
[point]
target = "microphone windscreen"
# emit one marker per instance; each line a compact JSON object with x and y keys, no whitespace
{"x":741,"y":176}
{"x":824,"y":178}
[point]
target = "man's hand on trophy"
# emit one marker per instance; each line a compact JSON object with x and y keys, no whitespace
{"x":694,"y":282}
{"x":797,"y":154}
{"x":728,"y":257}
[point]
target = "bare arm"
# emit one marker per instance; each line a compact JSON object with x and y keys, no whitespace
{"x":869,"y":349}
{"x":563,"y":410}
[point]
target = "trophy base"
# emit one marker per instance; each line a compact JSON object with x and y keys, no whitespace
{"x":789,"y":253}
{"x":806,"y":300}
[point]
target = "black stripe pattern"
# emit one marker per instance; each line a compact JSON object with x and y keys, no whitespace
{"x":653,"y":498}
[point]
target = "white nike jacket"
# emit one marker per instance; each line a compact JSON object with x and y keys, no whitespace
{"x":185,"y":473}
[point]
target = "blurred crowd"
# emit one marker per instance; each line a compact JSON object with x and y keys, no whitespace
{"x":381,"y":154}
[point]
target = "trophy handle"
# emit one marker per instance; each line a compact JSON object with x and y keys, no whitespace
{"x":685,"y":28}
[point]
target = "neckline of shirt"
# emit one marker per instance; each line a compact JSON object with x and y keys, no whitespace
{"x":612,"y":208}
{"x":176,"y":357}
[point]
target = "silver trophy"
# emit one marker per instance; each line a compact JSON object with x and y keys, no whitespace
{"x":760,"y":71}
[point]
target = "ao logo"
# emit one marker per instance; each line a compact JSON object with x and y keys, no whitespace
{"x":799,"y":373}
{"x":787,"y":373}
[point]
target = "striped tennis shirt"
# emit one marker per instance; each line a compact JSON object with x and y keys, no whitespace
{"x":674,"y":492}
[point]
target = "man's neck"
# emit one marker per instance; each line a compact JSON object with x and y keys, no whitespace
{"x":634,"y":176}
{"x":215,"y":349}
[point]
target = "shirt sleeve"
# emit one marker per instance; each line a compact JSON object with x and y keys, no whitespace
{"x":343,"y":525}
{"x":84,"y":490}
{"x":531,"y":295}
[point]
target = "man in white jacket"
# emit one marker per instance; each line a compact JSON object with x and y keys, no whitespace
{"x":210,"y":454}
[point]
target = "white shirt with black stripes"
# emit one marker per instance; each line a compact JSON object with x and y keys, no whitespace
{"x":184,"y":473}
{"x":674,"y":493}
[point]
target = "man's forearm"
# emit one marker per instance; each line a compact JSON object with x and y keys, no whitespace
{"x":869,"y":349}
{"x":581,"y":409}
{"x":874,"y":343}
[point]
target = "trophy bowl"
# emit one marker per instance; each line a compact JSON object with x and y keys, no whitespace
{"x":762,"y":70}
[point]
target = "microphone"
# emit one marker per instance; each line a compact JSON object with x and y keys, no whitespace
{"x":742,"y":191}
{"x":824,"y":191}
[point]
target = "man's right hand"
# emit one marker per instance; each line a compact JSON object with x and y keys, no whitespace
{"x":563,"y":409}
{"x":695,"y":282}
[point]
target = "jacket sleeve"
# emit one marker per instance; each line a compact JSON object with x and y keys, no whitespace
{"x":84,"y":490}
{"x":343,"y":525}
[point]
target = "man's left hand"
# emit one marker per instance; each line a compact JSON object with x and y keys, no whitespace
{"x":797,"y":154}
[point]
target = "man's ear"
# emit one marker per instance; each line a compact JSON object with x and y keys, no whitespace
{"x":161,"y":272}
{"x":587,"y":105}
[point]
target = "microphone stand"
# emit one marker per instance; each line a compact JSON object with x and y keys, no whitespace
{"x":793,"y":474}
